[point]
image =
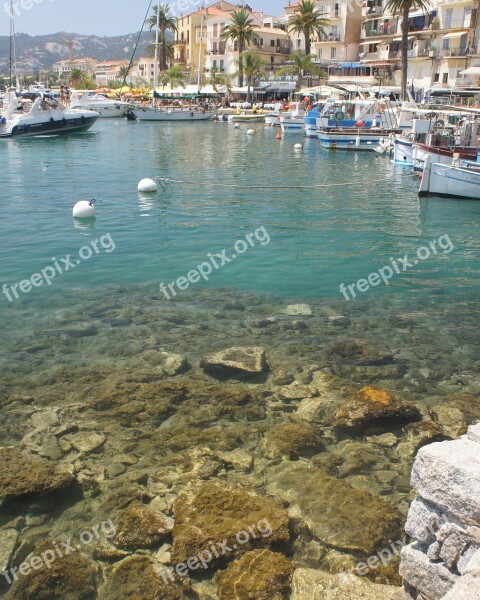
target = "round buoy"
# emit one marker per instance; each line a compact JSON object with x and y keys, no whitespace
{"x":360,"y":123}
{"x":298,"y":146}
{"x":147,"y":185}
{"x":237,"y":126}
{"x":84,"y":209}
{"x":251,"y":132}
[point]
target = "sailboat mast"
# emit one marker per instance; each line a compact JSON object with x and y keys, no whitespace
{"x":11,"y":41}
{"x":155,"y":66}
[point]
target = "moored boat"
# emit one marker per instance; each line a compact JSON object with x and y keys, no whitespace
{"x":246,"y":118}
{"x":173,"y":113}
{"x":360,"y":139}
{"x":456,"y":180}
{"x":106,"y":108}
{"x":45,"y":116}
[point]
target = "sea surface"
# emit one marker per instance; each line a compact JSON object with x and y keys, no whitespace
{"x":300,"y":223}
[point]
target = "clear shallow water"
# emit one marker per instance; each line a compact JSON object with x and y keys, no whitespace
{"x":320,"y":237}
{"x":87,"y":347}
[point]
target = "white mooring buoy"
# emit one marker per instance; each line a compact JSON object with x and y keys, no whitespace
{"x":236,"y":126}
{"x":251,"y":132}
{"x":147,"y":185}
{"x":84,"y":209}
{"x":298,"y":146}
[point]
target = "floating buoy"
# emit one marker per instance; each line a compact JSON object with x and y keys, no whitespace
{"x":147,"y":185}
{"x":84,"y":209}
{"x":298,"y":146}
{"x":360,"y":123}
{"x":236,"y":126}
{"x":251,"y":132}
{"x":357,"y":141}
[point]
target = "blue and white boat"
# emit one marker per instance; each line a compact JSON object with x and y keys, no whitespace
{"x":360,"y":139}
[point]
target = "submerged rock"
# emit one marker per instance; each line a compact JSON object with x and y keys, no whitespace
{"x":86,"y":441}
{"x":310,"y":584}
{"x":211,"y":513}
{"x":8,"y":541}
{"x":23,"y":475}
{"x":168,"y":363}
{"x":298,"y":309}
{"x":292,"y":440}
{"x":250,"y":360}
{"x":257,"y":575}
{"x":361,"y":352}
{"x":69,"y":577}
{"x":336,"y":513}
{"x":371,"y":407}
{"x":137,"y":578}
{"x":140,"y":527}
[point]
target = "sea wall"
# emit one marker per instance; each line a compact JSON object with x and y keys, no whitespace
{"x":442,"y":560}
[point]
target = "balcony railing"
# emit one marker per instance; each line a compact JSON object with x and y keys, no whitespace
{"x":453,"y":52}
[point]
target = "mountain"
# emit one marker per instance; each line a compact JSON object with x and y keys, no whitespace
{"x":39,"y":52}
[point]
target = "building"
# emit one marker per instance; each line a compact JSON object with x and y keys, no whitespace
{"x":63,"y":68}
{"x":109,"y":71}
{"x":442,"y":43}
{"x":143,"y":71}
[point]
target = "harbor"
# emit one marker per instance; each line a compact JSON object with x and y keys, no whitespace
{"x":239,"y":352}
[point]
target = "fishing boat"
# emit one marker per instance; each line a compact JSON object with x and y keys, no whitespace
{"x":28,"y":116}
{"x":456,"y":180}
{"x":106,"y":108}
{"x":443,"y":143}
{"x":337,"y":138}
{"x":244,"y":118}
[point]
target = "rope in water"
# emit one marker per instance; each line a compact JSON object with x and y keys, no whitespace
{"x":262,"y":187}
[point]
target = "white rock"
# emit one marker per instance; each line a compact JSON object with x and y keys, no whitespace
{"x":298,"y":309}
{"x":473,"y":567}
{"x":423,"y":521}
{"x":469,"y":562}
{"x":473,"y":433}
{"x":433,"y":580}
{"x":448,"y":474}
{"x":467,"y":588}
{"x":85,"y":441}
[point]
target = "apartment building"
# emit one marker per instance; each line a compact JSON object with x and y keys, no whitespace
{"x":109,"y":71}
{"x":442,"y":43}
{"x":63,"y":68}
{"x":143,"y":70}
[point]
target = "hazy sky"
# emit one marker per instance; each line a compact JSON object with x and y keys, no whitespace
{"x":99,"y":17}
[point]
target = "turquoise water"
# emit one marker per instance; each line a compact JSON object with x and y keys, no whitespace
{"x":319,"y":237}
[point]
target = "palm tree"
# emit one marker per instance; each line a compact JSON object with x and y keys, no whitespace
{"x":241,"y":30}
{"x":75,"y":76}
{"x":301,"y":63}
{"x":308,"y":20}
{"x":169,"y":52}
{"x":252,"y":66}
{"x":217,"y":80}
{"x":176,"y":76}
{"x":405,"y":6}
{"x":167,"y":23}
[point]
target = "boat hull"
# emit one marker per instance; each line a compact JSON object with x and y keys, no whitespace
{"x":53,"y":126}
{"x":292,"y":125}
{"x":449,"y":180}
{"x":403,"y":152}
{"x":439,"y":154}
{"x":246,"y":119}
{"x":351,"y":141}
{"x":156,"y":114}
{"x":105,"y":112}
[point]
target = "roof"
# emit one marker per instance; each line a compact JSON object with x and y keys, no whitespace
{"x":274,"y":30}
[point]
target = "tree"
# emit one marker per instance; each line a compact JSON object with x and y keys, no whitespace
{"x":308,"y":20}
{"x":252,"y":67}
{"x":241,"y":30}
{"x":404,"y":7}
{"x":75,"y":76}
{"x":176,"y":76}
{"x":217,"y":80}
{"x":167,"y":23}
{"x":301,"y":64}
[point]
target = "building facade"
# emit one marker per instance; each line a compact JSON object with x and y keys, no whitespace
{"x":63,"y":68}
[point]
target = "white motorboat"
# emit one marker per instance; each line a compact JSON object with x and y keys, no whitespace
{"x":44,"y":116}
{"x":360,"y":139}
{"x":457,"y":181}
{"x":105,"y":107}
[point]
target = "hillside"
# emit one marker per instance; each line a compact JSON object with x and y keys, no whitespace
{"x":40,"y":52}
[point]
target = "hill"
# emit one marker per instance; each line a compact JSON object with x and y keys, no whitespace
{"x":39,"y":52}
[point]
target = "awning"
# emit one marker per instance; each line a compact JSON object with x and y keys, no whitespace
{"x":456,"y":34}
{"x":399,"y":39}
{"x":372,"y":41}
{"x":471,"y":71}
{"x":350,"y":65}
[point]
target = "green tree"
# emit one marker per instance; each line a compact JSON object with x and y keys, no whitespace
{"x":167,"y":23}
{"x":404,"y":7}
{"x":308,"y":20}
{"x":75,"y":76}
{"x":176,"y":76}
{"x":242,"y":31}
{"x":301,"y":64}
{"x":217,"y":80}
{"x":252,"y":67}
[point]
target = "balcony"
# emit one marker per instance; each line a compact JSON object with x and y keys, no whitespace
{"x":283,"y":49}
{"x":453,"y":53}
{"x":180,"y":42}
{"x":372,"y":11}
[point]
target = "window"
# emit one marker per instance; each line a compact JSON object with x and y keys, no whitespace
{"x":445,"y":78}
{"x":299,"y":43}
{"x":333,"y":52}
{"x":214,"y":64}
{"x":448,"y":18}
{"x":446,"y":44}
{"x":261,"y":41}
{"x":222,"y":68}
{"x":215,"y":30}
{"x":436,"y":77}
{"x":320,"y":53}
{"x":272,"y":43}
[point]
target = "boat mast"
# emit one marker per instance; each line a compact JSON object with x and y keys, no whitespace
{"x":155,"y":66}
{"x":199,"y":76}
{"x":11,"y":40}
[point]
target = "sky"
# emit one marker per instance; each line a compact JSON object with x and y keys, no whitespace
{"x":95,"y":17}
